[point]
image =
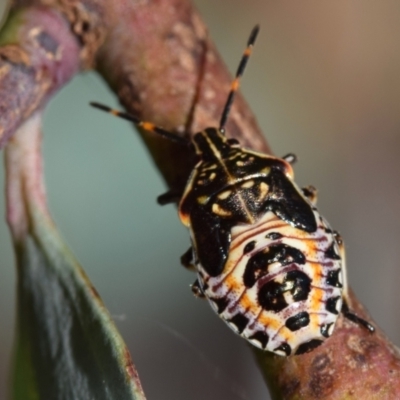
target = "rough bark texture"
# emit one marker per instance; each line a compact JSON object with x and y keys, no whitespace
{"x":38,"y":55}
{"x":352,"y":364}
{"x":159,"y":60}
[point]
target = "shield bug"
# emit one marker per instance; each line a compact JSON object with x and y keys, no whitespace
{"x":269,"y":264}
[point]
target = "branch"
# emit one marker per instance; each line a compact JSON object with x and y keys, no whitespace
{"x":352,"y":364}
{"x":38,"y":55}
{"x":159,"y":60}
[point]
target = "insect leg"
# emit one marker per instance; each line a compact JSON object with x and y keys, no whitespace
{"x":345,"y":307}
{"x":311,"y":193}
{"x":197,"y":290}
{"x":172,"y":196}
{"x":290,"y":158}
{"x":355,"y":318}
{"x":187,"y":259}
{"x":188,"y":262}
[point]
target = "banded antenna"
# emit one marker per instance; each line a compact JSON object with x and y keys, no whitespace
{"x":147,"y":126}
{"x":150,"y":127}
{"x":239,"y":73}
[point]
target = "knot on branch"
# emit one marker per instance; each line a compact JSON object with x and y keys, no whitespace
{"x":89,"y":21}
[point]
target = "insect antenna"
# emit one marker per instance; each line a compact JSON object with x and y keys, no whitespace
{"x":239,"y":73}
{"x":147,"y":126}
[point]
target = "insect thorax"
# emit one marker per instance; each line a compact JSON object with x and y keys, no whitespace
{"x":231,"y":181}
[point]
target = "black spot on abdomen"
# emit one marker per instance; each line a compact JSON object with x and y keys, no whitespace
{"x":325,"y":329}
{"x":331,"y":252}
{"x":261,"y":337}
{"x":249,"y":247}
{"x":285,"y":348}
{"x":298,"y":321}
{"x":331,"y":305}
{"x":240,"y":321}
{"x":301,"y":284}
{"x":257,"y":266}
{"x":221,"y":303}
{"x":271,"y":295}
{"x":273,"y":235}
{"x":333,"y":278}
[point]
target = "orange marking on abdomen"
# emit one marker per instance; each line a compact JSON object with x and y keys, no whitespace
{"x":314,"y":321}
{"x":232,"y":283}
{"x":248,"y":304}
{"x":269,"y":322}
{"x":286,"y":334}
{"x":317,"y":296}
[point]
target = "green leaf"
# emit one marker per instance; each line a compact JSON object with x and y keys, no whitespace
{"x":67,"y":346}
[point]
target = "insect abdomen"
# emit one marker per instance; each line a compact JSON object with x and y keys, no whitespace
{"x":281,"y":286}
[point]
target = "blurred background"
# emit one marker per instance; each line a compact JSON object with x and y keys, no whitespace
{"x":324,"y":82}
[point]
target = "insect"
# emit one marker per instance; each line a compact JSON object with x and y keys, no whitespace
{"x":266,"y":260}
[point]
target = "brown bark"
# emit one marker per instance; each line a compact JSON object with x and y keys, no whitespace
{"x":38,"y":55}
{"x":159,"y":60}
{"x":352,"y":364}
